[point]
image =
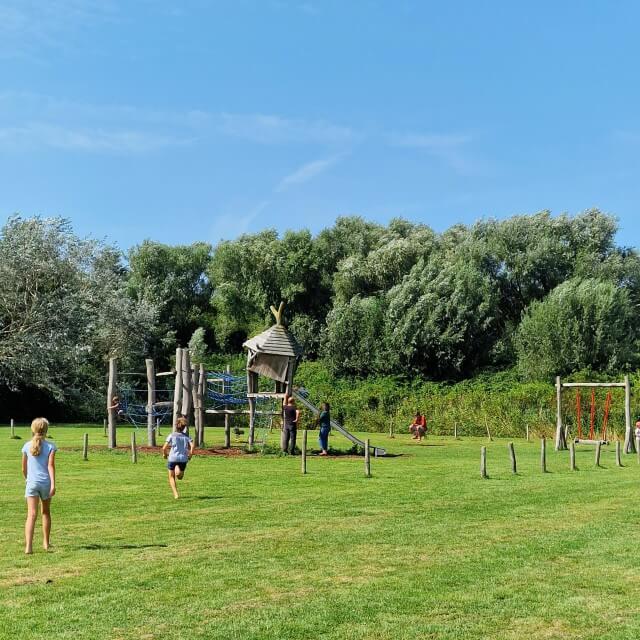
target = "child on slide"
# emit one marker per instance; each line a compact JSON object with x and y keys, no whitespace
{"x":178,"y":449}
{"x":39,"y":471}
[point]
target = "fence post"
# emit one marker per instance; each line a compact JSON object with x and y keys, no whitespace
{"x":512,"y":455}
{"x":104,"y":425}
{"x":483,"y":462}
{"x":598,"y":450}
{"x":455,"y":430}
{"x":304,"y":452}
{"x":134,"y":449}
{"x":572,"y":455}
{"x":543,"y":454}
{"x":367,"y":459}
{"x":527,"y":432}
{"x":618,"y":459}
{"x":13,"y":430}
{"x":85,"y":446}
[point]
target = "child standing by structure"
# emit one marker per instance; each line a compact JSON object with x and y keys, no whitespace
{"x":324,"y":419}
{"x":178,"y":448}
{"x":39,"y":471}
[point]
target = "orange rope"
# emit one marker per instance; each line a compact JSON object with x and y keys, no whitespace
{"x":605,"y":419}
{"x":592,"y":421}
{"x":579,"y":414}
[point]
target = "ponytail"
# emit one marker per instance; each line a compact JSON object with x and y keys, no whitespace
{"x":39,"y":429}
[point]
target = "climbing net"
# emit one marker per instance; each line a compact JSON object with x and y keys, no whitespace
{"x":133,"y":405}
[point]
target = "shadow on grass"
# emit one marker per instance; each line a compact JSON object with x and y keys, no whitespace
{"x":100,"y":547}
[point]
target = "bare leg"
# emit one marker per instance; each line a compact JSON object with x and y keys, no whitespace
{"x":172,"y":484}
{"x":179,"y":472}
{"x":29,"y":525}
{"x":45,"y":506}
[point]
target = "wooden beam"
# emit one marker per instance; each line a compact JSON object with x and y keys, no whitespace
{"x":567,"y":385}
{"x":111,"y":413}
{"x":151,"y":402}
{"x":177,"y":389}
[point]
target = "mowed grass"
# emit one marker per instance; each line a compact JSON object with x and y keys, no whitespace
{"x":253,"y":549}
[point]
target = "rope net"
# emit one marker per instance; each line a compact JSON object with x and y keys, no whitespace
{"x":133,"y":405}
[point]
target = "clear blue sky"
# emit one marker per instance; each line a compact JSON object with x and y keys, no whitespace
{"x":196,"y":120}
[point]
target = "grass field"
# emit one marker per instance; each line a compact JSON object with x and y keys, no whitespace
{"x":253,"y":549}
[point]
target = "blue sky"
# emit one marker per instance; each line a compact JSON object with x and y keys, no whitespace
{"x":194,"y":120}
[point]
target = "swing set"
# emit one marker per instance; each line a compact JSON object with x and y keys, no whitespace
{"x":593,"y":437}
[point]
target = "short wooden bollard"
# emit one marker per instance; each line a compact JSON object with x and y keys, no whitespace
{"x":598,"y":451}
{"x":134,"y":449}
{"x":104,"y":424}
{"x":543,"y":454}
{"x":527,"y":433}
{"x":391,"y":431}
{"x":85,"y":446}
{"x":572,"y":455}
{"x":455,"y":430}
{"x":367,"y":459}
{"x":618,"y":458}
{"x":304,"y":452}
{"x":483,"y":462}
{"x":512,"y":456}
{"x":13,"y":430}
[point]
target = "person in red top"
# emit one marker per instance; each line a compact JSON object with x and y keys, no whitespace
{"x":418,"y":427}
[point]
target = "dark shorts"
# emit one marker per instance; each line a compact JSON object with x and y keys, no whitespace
{"x":172,"y":465}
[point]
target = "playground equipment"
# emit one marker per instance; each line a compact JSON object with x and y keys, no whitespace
{"x":562,"y":430}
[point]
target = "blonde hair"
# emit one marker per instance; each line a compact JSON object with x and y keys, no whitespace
{"x":181,"y":424}
{"x":39,"y":429}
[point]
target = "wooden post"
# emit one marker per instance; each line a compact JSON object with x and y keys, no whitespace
{"x":186,"y":385}
{"x":158,"y":427}
{"x":134,"y":449}
{"x":13,"y":430}
{"x":111,"y":413}
{"x":543,"y":454}
{"x":227,"y":417}
{"x":391,"y":434}
{"x":483,"y":462}
{"x":177,"y":389}
{"x":527,"y":427}
{"x":618,"y":459}
{"x":638,"y":448}
{"x":561,"y":441}
{"x":195,"y":395}
{"x":455,"y":430}
{"x":151,"y":401}
{"x":598,"y":450}
{"x":304,"y":452}
{"x":85,"y":446}
{"x":512,"y":456}
{"x":367,"y":459}
{"x":572,"y":455}
{"x":202,"y":391}
{"x":104,"y":424}
{"x":628,"y":433}
{"x":486,"y":424}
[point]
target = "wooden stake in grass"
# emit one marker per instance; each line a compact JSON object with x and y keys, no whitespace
{"x":618,"y":459}
{"x":483,"y":462}
{"x":367,"y":459}
{"x":527,"y":433}
{"x":598,"y":451}
{"x":13,"y":430}
{"x":134,"y":449}
{"x":391,"y":434}
{"x":543,"y":454}
{"x":104,"y":425}
{"x":572,"y":455}
{"x":455,"y":430}
{"x":512,"y":456}
{"x":304,"y":452}
{"x":486,"y":424}
{"x":85,"y":446}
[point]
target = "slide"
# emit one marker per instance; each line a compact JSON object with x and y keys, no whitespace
{"x":377,"y":451}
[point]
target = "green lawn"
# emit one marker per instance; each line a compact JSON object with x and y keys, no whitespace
{"x":423,"y":549}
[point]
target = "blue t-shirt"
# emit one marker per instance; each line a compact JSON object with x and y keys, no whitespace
{"x":38,"y":466}
{"x":180,"y":445}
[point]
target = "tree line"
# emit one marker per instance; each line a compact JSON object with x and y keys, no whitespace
{"x":538,"y":295}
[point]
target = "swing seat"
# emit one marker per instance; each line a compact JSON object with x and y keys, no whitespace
{"x":587,"y":441}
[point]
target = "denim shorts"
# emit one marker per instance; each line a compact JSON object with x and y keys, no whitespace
{"x":38,"y":490}
{"x":171,"y":465}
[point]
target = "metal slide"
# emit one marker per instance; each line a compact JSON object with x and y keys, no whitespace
{"x":377,"y":451}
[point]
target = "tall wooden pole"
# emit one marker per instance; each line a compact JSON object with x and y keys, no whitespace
{"x":151,"y":401}
{"x":561,"y":441}
{"x":186,"y":384}
{"x":572,"y":455}
{"x":202,"y":391}
{"x":367,"y":459}
{"x":111,"y":412}
{"x":512,"y":456}
{"x":543,"y":454}
{"x":195,"y":394}
{"x":483,"y":462}
{"x":177,"y":389}
{"x":227,"y":417}
{"x":628,"y":433}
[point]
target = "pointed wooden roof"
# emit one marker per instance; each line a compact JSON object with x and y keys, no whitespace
{"x":276,"y":340}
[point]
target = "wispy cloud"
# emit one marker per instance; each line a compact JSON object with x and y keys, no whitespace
{"x":306,"y":172}
{"x":231,"y":225}
{"x":451,"y":149}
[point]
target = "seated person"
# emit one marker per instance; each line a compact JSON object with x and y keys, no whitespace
{"x":418,"y":427}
